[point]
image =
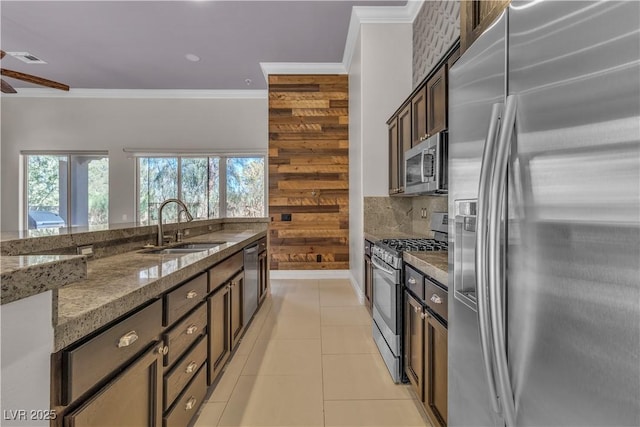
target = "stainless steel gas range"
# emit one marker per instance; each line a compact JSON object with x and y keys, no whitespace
{"x":387,"y":290}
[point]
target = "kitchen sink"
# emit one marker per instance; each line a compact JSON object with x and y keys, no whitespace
{"x":184,"y":248}
{"x":202,"y":246}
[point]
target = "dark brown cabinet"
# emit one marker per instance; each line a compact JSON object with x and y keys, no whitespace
{"x":436,"y":368}
{"x":414,"y":344}
{"x":394,"y":183}
{"x":368,"y":277}
{"x":419,"y":116}
{"x":475,"y":17}
{"x":399,"y":142}
{"x":263,"y":271}
{"x":219,"y":330}
{"x":132,"y":398}
{"x":437,"y":101}
{"x":237,"y":324}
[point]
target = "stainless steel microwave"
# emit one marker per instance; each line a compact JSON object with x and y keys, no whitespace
{"x":425,"y":166}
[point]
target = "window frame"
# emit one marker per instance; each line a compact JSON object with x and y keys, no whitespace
{"x":222,"y":183}
{"x":24,"y":181}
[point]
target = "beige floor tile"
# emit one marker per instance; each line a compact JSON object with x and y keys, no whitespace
{"x":359,"y":376}
{"x":285,"y":357}
{"x":347,"y":340}
{"x":373,"y":413}
{"x":338,"y":296}
{"x":300,"y":284}
{"x":229,"y":378}
{"x":337,"y":316}
{"x":297,"y":327}
{"x":210,"y":414}
{"x":275,"y":401}
{"x":296,"y":308}
{"x":327,"y":283}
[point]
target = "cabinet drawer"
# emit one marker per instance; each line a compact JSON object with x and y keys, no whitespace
{"x":436,"y":298}
{"x":223,"y":271}
{"x":184,"y":298}
{"x":85,"y":365}
{"x":188,"y":403}
{"x":185,"y":333}
{"x":413,"y":280}
{"x":184,"y":370}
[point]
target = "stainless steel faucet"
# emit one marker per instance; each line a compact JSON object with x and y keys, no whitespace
{"x":165,"y":203}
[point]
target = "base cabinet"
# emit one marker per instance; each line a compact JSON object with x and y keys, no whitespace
{"x":132,"y":398}
{"x":414,"y":344}
{"x":237,"y":322}
{"x":219,"y":330}
{"x":435,"y":382}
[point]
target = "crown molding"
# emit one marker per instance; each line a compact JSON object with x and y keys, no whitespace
{"x":301,"y":68}
{"x":376,"y":15}
{"x":139,"y":94}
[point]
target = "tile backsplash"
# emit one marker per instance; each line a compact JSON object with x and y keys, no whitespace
{"x":402,"y":214}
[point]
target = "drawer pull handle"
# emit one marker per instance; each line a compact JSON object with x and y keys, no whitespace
{"x":128,"y":339}
{"x":436,"y":299}
{"x":412,"y":281}
{"x":192,"y":329}
{"x":191,"y":403}
{"x":191,"y":367}
{"x":415,"y":308}
{"x":423,"y":315}
{"x":192,"y":294}
{"x":163,"y":349}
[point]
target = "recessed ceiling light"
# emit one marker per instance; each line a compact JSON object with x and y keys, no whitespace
{"x":247,"y":81}
{"x":191,"y":57}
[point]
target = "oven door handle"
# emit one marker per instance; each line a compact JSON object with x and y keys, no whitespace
{"x":381,"y":267}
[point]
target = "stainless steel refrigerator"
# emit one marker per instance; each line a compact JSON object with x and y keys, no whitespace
{"x":544,"y":186}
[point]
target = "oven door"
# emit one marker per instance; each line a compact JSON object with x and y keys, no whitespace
{"x":386,"y":281}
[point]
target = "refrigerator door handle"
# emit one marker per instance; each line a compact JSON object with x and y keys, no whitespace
{"x":484,"y":320}
{"x":497,"y":189}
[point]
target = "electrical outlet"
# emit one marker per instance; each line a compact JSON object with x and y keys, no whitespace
{"x":85,"y":250}
{"x":285,"y":217}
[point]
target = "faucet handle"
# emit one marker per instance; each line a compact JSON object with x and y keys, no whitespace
{"x":167,"y":238}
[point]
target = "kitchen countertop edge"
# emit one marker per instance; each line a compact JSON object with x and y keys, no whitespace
{"x":69,"y":329}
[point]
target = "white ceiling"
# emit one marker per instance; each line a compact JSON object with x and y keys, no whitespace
{"x":142,"y":44}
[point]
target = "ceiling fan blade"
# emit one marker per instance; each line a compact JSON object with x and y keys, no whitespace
{"x":33,"y":79}
{"x":6,"y":87}
{"x":2,"y":54}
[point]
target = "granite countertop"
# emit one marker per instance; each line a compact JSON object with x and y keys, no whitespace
{"x":27,"y":275}
{"x":434,"y":264}
{"x":117,"y":284}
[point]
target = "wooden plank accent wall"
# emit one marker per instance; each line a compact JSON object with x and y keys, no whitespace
{"x":309,"y":172}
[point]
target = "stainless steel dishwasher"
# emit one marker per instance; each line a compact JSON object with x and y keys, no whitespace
{"x":250,"y":282}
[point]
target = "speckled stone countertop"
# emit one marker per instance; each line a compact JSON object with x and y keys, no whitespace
{"x":434,"y":264}
{"x":117,"y":284}
{"x":27,"y":275}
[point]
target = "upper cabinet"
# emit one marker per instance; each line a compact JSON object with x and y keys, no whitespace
{"x":423,"y":114}
{"x":475,"y":17}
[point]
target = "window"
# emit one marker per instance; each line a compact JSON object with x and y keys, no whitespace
{"x":66,"y":189}
{"x":210,"y":186}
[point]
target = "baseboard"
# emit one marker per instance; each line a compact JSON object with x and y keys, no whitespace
{"x":356,"y":288}
{"x":310,"y":274}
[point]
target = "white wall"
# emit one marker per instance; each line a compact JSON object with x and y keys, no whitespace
{"x":379,"y":80}
{"x":112,"y":124}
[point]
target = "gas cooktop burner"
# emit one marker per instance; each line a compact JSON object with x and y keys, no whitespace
{"x":416,"y":245}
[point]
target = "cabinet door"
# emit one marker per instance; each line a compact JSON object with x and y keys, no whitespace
{"x":475,"y":17}
{"x":219,"y":330}
{"x":133,"y":398}
{"x":414,"y":344}
{"x":368,"y":283}
{"x":404,"y":142}
{"x":419,"y":121}
{"x":237,"y":292}
{"x":435,"y":399}
{"x":437,"y":102}
{"x":393,"y":156}
{"x":263,"y":276}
